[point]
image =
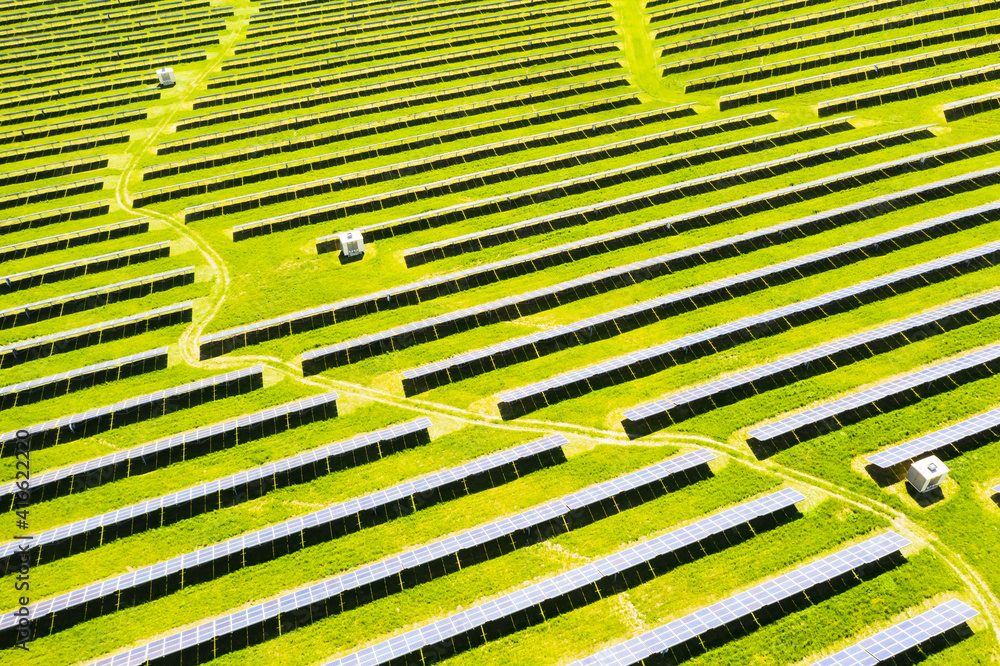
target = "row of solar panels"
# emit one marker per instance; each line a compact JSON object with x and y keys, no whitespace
{"x":585,"y":214}
{"x":580,"y":586}
{"x":60,"y":306}
{"x":71,"y":13}
{"x":61,"y":93}
{"x":261,"y":622}
{"x":325,"y":315}
{"x":888,"y":396}
{"x":752,"y":13}
{"x":267,"y":14}
{"x":377,"y":71}
{"x":950,"y":440}
{"x":414,"y":33}
{"x":161,"y":453}
{"x":122,"y":39}
{"x":62,"y":147}
{"x":644,"y":362}
{"x":44,"y":218}
{"x":434,"y":78}
{"x":361,"y":21}
{"x":141,"y":65}
{"x":72,"y":126}
{"x":50,"y":192}
{"x":53,"y":386}
{"x":63,"y":342}
{"x":415,"y":141}
{"x":521,"y":305}
{"x":85,"y":266}
{"x":69,"y":108}
{"x":479,"y":240}
{"x":746,"y":611}
{"x":910,"y":90}
{"x":850,"y":54}
{"x":858,"y":74}
{"x":397,"y":170}
{"x":970,"y":106}
{"x":569,"y":187}
{"x":403,"y":49}
{"x":327,"y":524}
{"x":73,"y":239}
{"x":421,"y":118}
{"x":52,"y":170}
{"x":53,"y":32}
{"x":688,"y":8}
{"x":136,"y":410}
{"x":67,"y":540}
{"x":808,"y":363}
{"x":474,"y":179}
{"x":398,"y":51}
{"x":852,"y":31}
{"x":111,"y":56}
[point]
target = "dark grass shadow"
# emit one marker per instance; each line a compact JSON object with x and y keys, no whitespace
{"x":344,"y":259}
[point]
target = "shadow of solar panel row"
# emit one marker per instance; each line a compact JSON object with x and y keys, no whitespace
{"x":513,"y":307}
{"x":392,"y":124}
{"x":617,"y":322}
{"x":326,"y":315}
{"x":970,"y":106}
{"x":362,"y":20}
{"x":413,"y":33}
{"x":46,"y":388}
{"x":340,"y":78}
{"x":98,"y":42}
{"x":143,"y":65}
{"x":72,"y":239}
{"x":857,"y":74}
{"x":76,"y":90}
{"x":912,"y":90}
{"x":59,"y":110}
{"x":111,"y":56}
{"x":828,"y":357}
{"x":70,"y":9}
{"x":850,"y":54}
{"x":62,"y":342}
{"x":433,"y":138}
{"x":809,"y":20}
{"x":511,"y":233}
{"x":952,"y":440}
{"x":63,"y":147}
{"x":379,"y":174}
{"x":645,"y":362}
{"x":579,"y":586}
{"x":320,"y":7}
{"x":136,"y":410}
{"x":71,"y":126}
{"x":889,"y":396}
{"x":295,"y":534}
{"x":51,"y":192}
{"x":86,"y":266}
{"x":176,"y":448}
{"x":475,"y":179}
{"x":54,"y":32}
{"x":44,"y":218}
{"x":396,"y":50}
{"x":910,"y":639}
{"x":747,"y":611}
{"x":407,"y":83}
{"x":54,"y":170}
{"x":262,"y":622}
{"x":67,"y":304}
{"x":232,"y":490}
{"x":548,"y":191}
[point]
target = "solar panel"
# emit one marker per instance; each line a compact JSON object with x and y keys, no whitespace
{"x":977,"y":428}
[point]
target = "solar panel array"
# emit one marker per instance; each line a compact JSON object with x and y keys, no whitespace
{"x":350,"y":590}
{"x":808,"y":363}
{"x":229,"y":491}
{"x":46,"y":388}
{"x":909,"y":635}
{"x":744,"y":612}
{"x":138,"y":409}
{"x":952,"y":439}
{"x":525,"y":399}
{"x":169,"y":450}
{"x":87,"y":266}
{"x":73,"y":239}
{"x":577,"y":587}
{"x":891,"y":395}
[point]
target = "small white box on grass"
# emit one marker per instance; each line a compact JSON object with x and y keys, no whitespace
{"x":927,"y":474}
{"x":352,"y":244}
{"x":166,"y":76}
